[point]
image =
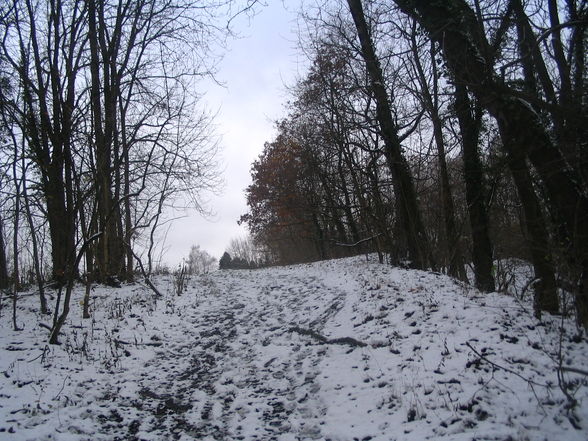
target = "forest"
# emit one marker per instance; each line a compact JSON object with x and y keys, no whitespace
{"x":444,"y":135}
{"x":101,"y":132}
{"x":441,"y":135}
{"x":417,"y":259}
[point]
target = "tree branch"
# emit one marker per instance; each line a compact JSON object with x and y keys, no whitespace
{"x":324,"y":340}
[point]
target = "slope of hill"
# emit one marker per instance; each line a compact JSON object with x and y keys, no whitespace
{"x":336,"y":350}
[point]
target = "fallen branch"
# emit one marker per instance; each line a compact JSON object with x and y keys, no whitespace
{"x":122,"y":342}
{"x":324,"y":340}
{"x":510,"y":371}
{"x":574,"y":370}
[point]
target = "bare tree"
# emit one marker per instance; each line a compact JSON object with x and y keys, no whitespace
{"x":430,"y":97}
{"x":246,"y":249}
{"x":469,"y":116}
{"x":106,"y":112}
{"x":44,"y":52}
{"x":200,"y":261}
{"x":419,"y":252}
{"x":459,"y":31}
{"x":4,"y":281}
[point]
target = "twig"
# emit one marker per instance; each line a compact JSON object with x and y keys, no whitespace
{"x":527,"y":286}
{"x":145,"y":274}
{"x":62,"y":387}
{"x":528,"y":380}
{"x":359,"y":242}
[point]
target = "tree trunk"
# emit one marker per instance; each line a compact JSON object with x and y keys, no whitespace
{"x":36,"y":258}
{"x":358,"y":190}
{"x":4,"y":282}
{"x":51,"y":179}
{"x":538,"y":239}
{"x":430,"y":99}
{"x":380,"y":214}
{"x":404,"y":190}
{"x":128,"y":226}
{"x":103,"y":152}
{"x":475,"y":191}
{"x":15,"y":253}
{"x":60,"y":319}
{"x":546,"y":298}
{"x":47,"y":125}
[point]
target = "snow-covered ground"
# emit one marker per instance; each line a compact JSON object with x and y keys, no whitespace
{"x":336,"y":350}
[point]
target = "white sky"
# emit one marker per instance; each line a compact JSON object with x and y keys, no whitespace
{"x":255,"y":70}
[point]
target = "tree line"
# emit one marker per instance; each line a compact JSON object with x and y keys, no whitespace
{"x":440,"y":134}
{"x":244,"y":253}
{"x":101,"y":133}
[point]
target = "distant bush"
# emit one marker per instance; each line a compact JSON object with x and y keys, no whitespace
{"x":226,"y":262}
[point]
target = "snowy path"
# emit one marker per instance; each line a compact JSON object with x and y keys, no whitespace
{"x":230,"y":359}
{"x":239,"y":372}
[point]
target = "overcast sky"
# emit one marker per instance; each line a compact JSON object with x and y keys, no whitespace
{"x":255,"y":71}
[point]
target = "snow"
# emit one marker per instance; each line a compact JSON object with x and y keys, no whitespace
{"x":254,"y":355}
